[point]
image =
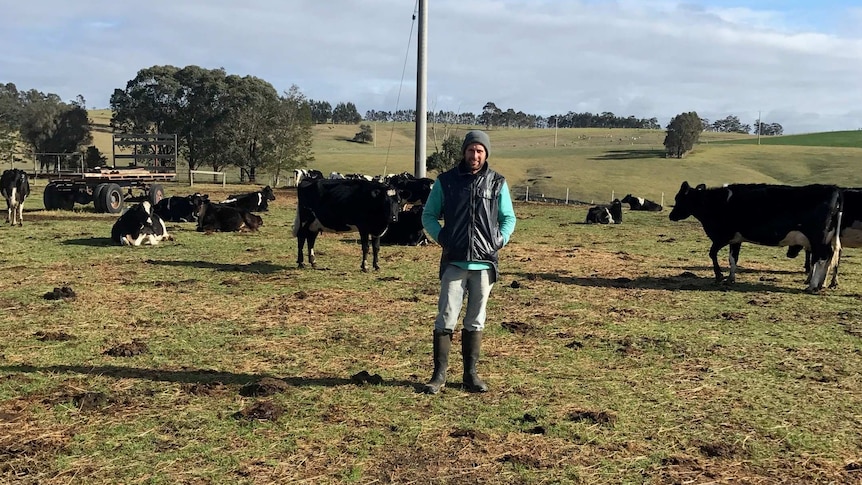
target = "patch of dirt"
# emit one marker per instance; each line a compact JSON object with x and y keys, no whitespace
{"x":130,"y":349}
{"x":526,"y":461}
{"x":717,"y":450}
{"x":261,"y":410}
{"x":520,"y":328}
{"x":469,"y":433}
{"x":733,"y":316}
{"x":364,"y":377}
{"x":264,"y":387}
{"x":63,"y":293}
{"x":597,"y":417}
{"x":90,"y":401}
{"x":53,"y":336}
{"x":205,"y":389}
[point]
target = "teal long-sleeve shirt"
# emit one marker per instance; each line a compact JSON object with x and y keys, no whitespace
{"x":434,"y":210}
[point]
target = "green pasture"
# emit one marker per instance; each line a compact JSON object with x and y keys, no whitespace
{"x":612,"y":355}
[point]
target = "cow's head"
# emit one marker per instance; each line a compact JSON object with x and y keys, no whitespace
{"x":684,"y":201}
{"x":267,"y":193}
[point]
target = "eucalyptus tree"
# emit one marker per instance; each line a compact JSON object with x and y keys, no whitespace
{"x":48,"y":125}
{"x":288,"y":144}
{"x":683,"y":132}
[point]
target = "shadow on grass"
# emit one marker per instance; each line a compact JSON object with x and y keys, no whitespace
{"x":630,"y":155}
{"x":687,"y":283}
{"x":259,"y":267}
{"x":96,"y":242}
{"x":195,"y":376}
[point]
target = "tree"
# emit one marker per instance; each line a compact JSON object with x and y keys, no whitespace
{"x":490,"y":116}
{"x":288,"y":145}
{"x":346,"y":113}
{"x":10,"y":109}
{"x":93,"y":157}
{"x":448,"y":157}
{"x":50,"y":126}
{"x":683,"y":132}
{"x":365,"y":135}
{"x":321,"y":111}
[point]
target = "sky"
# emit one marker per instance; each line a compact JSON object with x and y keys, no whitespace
{"x":795,"y":62}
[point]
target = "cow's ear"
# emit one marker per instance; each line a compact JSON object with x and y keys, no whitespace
{"x":700,"y":187}
{"x":684,"y":187}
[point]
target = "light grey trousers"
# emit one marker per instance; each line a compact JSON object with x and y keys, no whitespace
{"x":455,"y":282}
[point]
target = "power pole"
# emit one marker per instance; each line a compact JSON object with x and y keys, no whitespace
{"x":421,"y":85}
{"x":759,"y":124}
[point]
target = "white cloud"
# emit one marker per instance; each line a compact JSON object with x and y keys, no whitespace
{"x":631,"y":57}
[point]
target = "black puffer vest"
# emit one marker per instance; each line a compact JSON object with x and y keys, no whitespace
{"x":470,"y":231}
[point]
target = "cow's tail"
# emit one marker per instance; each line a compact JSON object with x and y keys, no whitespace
{"x":296,"y":224}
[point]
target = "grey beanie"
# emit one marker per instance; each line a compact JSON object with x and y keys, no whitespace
{"x":477,"y":136}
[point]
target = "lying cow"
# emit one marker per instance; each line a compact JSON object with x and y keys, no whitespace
{"x":770,"y":215}
{"x":15,"y":187}
{"x":407,"y":231}
{"x":605,"y":213}
{"x":180,"y":209}
{"x":139,"y":225}
{"x":224,"y":218}
{"x":641,"y":204}
{"x":252,"y":201}
{"x":343,"y":206}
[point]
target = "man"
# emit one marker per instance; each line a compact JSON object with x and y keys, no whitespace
{"x":478,"y":220}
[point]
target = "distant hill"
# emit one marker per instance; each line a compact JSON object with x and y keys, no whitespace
{"x":852,"y":139}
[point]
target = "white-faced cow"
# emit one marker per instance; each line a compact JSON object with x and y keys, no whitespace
{"x":299,"y":174}
{"x":139,"y":225}
{"x":605,"y":213}
{"x":641,"y":204}
{"x":180,"y":209}
{"x":224,"y":218}
{"x":851,"y":230}
{"x":344,"y":206}
{"x":252,"y":201}
{"x":769,"y":215}
{"x":15,"y":187}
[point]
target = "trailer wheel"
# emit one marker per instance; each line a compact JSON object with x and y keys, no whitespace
{"x":51,"y":197}
{"x":156,"y":193}
{"x":98,"y":202}
{"x":112,"y":198}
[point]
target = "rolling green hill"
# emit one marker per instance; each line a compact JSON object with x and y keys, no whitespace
{"x":591,"y":164}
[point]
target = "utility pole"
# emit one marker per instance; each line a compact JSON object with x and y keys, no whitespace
{"x":759,"y":124}
{"x":421,"y":85}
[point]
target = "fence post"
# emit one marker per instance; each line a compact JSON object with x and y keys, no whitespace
{"x":527,"y":195}
{"x":567,"y":196}
{"x":662,"y":199}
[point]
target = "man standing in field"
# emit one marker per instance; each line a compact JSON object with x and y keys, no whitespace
{"x":478,"y":220}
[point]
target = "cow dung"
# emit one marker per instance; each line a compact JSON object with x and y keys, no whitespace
{"x":64,"y":293}
{"x":364,"y":377}
{"x":263,"y":410}
{"x":129,"y":349}
{"x":264,"y":387}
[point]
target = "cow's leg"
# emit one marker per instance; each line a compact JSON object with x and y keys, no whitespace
{"x":363,"y":237}
{"x":733,"y":259}
{"x":375,"y":250}
{"x":713,"y":254}
{"x":834,"y":282}
{"x":21,"y":213}
{"x":300,"y":244}
{"x":312,"y":237}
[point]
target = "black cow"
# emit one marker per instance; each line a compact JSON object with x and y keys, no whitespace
{"x":15,"y":187}
{"x":343,"y":206}
{"x":851,"y":230}
{"x":641,"y":204}
{"x":408,"y":230}
{"x":180,"y":209}
{"x":252,"y":201}
{"x":770,"y":215}
{"x":412,"y":190}
{"x":605,"y":213}
{"x":138,"y":225}
{"x":224,"y":218}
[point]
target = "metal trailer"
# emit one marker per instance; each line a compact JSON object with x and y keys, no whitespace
{"x":110,"y":188}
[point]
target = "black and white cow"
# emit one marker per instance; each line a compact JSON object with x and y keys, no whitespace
{"x":605,"y":213}
{"x":299,"y":174}
{"x":851,"y":230}
{"x":180,"y":209}
{"x":411,"y":189}
{"x":408,"y":230}
{"x":641,"y":204}
{"x":344,"y":206}
{"x":769,"y":215}
{"x":15,"y":187}
{"x":252,"y":201}
{"x":224,"y":218}
{"x":139,"y":225}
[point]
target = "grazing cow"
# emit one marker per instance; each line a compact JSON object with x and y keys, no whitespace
{"x":138,"y":225}
{"x":224,"y":218}
{"x":408,"y":230}
{"x":851,"y":230}
{"x":770,"y":215}
{"x":641,"y":204}
{"x":15,"y":187}
{"x":344,"y":206}
{"x":252,"y":201}
{"x":605,"y":213}
{"x":180,"y":209}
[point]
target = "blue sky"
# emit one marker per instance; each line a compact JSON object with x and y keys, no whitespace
{"x":799,"y":63}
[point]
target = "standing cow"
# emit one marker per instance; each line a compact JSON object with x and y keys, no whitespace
{"x":15,"y":187}
{"x":770,"y":215}
{"x":343,"y":206}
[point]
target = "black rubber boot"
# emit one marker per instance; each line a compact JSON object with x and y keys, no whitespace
{"x":471,"y":347}
{"x":442,"y":345}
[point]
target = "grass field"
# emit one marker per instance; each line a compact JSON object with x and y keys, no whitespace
{"x":611,"y":354}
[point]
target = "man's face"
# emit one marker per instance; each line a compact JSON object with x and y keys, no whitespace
{"x":475,"y":156}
